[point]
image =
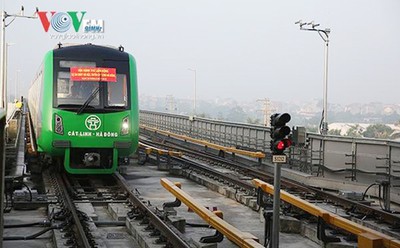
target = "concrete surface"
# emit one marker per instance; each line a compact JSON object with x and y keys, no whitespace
{"x":146,"y":179}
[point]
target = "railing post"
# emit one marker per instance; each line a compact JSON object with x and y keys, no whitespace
{"x":2,"y":173}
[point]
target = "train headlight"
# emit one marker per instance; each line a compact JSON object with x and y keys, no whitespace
{"x":58,"y":127}
{"x":125,"y":126}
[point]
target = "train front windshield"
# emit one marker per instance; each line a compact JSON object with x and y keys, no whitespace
{"x":103,"y":87}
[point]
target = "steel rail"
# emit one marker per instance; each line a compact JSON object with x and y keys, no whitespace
{"x":71,"y":207}
{"x":31,"y":132}
{"x":216,"y":173}
{"x":173,"y":237}
{"x":258,"y":154}
{"x":243,"y":167}
{"x":149,"y":149}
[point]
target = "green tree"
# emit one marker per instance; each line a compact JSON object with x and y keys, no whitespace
{"x":380,"y":131}
{"x":354,"y":131}
{"x":334,"y":132}
{"x":395,"y":136}
{"x":236,"y":114}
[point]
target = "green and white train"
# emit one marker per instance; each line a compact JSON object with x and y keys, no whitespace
{"x":83,"y":107}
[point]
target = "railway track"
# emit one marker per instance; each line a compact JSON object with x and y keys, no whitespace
{"x":239,"y":175}
{"x":82,"y":235}
{"x":88,"y":211}
{"x":79,"y":194}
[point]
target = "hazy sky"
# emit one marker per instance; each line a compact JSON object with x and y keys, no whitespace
{"x":241,"y":49}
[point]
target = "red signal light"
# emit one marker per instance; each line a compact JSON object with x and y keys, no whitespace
{"x":280,"y":145}
{"x":283,"y":144}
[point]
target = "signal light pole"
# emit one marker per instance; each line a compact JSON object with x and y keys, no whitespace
{"x":279,"y":142}
{"x":324,"y":34}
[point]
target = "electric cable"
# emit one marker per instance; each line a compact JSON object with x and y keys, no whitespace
{"x":365,"y":192}
{"x":42,"y":223}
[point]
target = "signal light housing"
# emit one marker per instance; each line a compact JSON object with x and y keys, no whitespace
{"x":279,"y":133}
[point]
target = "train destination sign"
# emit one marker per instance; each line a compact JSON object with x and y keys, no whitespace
{"x":92,"y":134}
{"x":90,"y":74}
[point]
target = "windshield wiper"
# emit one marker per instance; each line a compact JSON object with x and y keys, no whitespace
{"x":90,"y":98}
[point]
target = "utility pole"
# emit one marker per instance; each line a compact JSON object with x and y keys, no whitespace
{"x":324,"y":34}
{"x":170,"y":104}
{"x":3,"y":83}
{"x":267,"y":110}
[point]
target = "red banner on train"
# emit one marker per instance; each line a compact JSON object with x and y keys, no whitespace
{"x":95,"y":74}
